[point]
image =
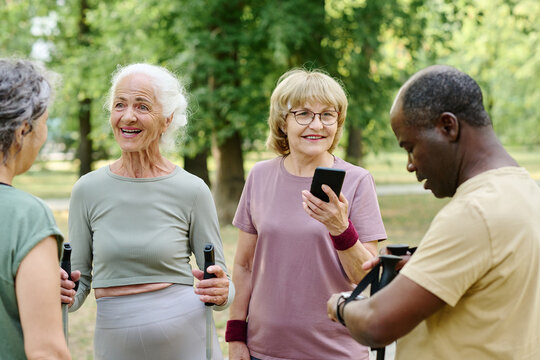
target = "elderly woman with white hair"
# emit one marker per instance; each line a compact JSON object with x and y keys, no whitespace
{"x":134,"y":224}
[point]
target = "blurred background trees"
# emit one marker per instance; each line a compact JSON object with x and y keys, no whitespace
{"x":230,"y":54}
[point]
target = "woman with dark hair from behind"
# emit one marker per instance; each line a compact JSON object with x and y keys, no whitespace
{"x":30,"y":245}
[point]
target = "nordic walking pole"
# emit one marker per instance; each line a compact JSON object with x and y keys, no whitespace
{"x":388,"y":274}
{"x":66,"y":265}
{"x":209,"y":260}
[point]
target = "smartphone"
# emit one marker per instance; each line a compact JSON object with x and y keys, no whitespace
{"x":328,"y":176}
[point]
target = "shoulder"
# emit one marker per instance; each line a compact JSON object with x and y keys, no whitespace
{"x":191,"y":184}
{"x":265,"y":166}
{"x":188,"y":179}
{"x":357,"y":171}
{"x":92,"y":177}
{"x":355,"y":175}
{"x":29,"y":204}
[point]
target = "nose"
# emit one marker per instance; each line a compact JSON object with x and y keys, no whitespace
{"x":410,"y":165}
{"x":129,"y":114}
{"x":316,"y":123}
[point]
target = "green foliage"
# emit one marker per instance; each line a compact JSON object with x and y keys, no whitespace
{"x":230,"y":54}
{"x":497,"y":43}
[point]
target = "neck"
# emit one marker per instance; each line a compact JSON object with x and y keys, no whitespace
{"x":482,"y":152}
{"x":305,"y":165}
{"x":142,"y":165}
{"x":7,"y":172}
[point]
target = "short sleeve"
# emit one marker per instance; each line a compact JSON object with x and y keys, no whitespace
{"x":242,"y":219}
{"x":365,"y":213}
{"x":453,"y":255}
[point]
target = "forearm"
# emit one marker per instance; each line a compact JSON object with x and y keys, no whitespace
{"x":352,"y":259}
{"x":359,"y":316}
{"x":54,"y":351}
{"x":82,"y":293}
{"x":37,"y":285}
{"x":242,"y":278}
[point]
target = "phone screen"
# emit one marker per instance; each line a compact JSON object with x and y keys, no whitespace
{"x":329,"y":176}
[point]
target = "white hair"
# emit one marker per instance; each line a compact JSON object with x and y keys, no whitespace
{"x":169,"y":92}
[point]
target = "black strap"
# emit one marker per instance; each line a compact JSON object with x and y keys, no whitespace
{"x":372,"y":278}
{"x":3,"y":183}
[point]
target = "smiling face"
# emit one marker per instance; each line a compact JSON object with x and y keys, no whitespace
{"x":429,"y":154}
{"x":136,"y":116}
{"x":311,"y":140}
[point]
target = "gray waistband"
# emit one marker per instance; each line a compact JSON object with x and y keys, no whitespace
{"x":146,"y":308}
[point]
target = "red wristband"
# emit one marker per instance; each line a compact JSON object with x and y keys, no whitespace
{"x":346,"y":239}
{"x":236,"y":331}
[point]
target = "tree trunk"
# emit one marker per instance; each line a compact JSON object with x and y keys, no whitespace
{"x":85,"y":127}
{"x":354,"y":152}
{"x":229,"y":177}
{"x":85,"y":142}
{"x":197,"y":165}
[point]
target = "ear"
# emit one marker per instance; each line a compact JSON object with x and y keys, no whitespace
{"x":20,"y":133}
{"x":283,"y":127}
{"x":168,"y":121}
{"x":448,"y":125}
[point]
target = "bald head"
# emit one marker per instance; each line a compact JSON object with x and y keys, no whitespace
{"x":438,"y":89}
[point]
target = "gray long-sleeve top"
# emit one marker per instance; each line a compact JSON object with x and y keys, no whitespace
{"x":127,"y":231}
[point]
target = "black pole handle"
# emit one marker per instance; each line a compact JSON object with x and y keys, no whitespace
{"x":66,"y":263}
{"x":389,"y":272}
{"x":388,"y":263}
{"x":209,"y":260}
{"x":398,"y":249}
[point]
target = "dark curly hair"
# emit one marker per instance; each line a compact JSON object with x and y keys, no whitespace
{"x":439,"y":89}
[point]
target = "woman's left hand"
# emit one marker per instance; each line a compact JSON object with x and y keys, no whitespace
{"x":332,"y":214}
{"x":214,"y":290}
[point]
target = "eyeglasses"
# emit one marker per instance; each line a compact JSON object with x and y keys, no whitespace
{"x":305,"y":117}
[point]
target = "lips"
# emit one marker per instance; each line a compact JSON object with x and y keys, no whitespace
{"x":130,"y":132}
{"x":313,"y":137}
{"x":422,"y":179}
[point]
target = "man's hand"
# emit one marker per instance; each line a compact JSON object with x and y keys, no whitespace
{"x":331,"y":307}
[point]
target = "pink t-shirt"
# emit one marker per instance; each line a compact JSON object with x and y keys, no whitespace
{"x":295,"y":267}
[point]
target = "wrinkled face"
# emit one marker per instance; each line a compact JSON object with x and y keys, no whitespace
{"x":430,"y":156}
{"x":313,"y":139}
{"x":136,"y":116}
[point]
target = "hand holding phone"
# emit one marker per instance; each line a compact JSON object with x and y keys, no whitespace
{"x":328,"y":176}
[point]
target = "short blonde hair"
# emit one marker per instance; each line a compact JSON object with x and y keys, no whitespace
{"x":295,"y":88}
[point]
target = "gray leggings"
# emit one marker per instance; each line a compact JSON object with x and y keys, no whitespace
{"x":167,"y":324}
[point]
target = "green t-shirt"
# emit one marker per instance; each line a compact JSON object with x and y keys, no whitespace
{"x":25,"y":220}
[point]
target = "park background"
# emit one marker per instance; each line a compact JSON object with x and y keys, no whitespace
{"x":230,"y":53}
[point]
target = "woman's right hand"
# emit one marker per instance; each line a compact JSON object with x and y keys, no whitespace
{"x":238,"y":350}
{"x":67,"y":292}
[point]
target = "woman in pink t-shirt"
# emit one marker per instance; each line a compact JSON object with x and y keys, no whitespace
{"x":295,"y":250}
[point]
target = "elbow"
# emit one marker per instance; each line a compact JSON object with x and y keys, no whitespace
{"x":378,"y":339}
{"x":369,"y":329}
{"x":51,"y":352}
